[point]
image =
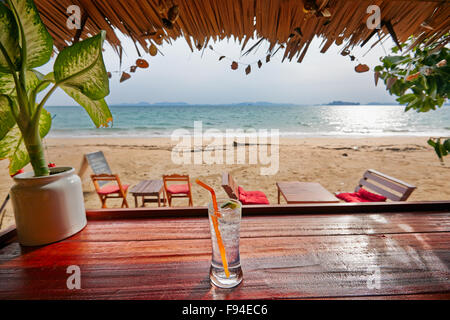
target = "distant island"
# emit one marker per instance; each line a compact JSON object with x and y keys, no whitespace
{"x":245,"y":104}
{"x":257,"y":103}
{"x":342,"y":103}
{"x":260,"y":103}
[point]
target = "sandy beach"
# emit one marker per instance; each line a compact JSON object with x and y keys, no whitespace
{"x":337,"y":164}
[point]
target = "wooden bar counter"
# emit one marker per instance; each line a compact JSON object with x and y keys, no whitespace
{"x":335,"y":251}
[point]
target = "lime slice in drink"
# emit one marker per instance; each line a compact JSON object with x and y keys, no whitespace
{"x":229,"y":204}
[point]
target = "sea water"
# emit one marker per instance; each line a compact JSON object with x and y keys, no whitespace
{"x":292,"y":120}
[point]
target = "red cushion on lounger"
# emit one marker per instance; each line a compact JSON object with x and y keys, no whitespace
{"x":361,"y":196}
{"x":252,"y":197}
{"x":178,"y":188}
{"x":372,"y":197}
{"x":350,"y":197}
{"x":112,"y":188}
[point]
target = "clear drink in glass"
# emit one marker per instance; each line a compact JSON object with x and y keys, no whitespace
{"x":229,"y":223}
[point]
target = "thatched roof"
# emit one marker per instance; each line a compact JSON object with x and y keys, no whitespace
{"x":280,"y":22}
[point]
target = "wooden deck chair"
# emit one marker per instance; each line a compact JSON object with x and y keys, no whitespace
{"x":234,"y":191}
{"x":391,"y":188}
{"x":230,"y":186}
{"x":117,"y":190}
{"x":384,"y":185}
{"x":177,"y":190}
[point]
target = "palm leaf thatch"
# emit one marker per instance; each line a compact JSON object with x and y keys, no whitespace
{"x":280,"y":22}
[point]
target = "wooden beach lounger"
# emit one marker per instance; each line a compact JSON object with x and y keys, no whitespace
{"x":386,"y":187}
{"x":101,"y":178}
{"x":234,"y":191}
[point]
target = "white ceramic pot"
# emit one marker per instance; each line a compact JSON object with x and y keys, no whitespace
{"x":48,"y":209}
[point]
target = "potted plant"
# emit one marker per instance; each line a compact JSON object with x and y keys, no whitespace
{"x":48,"y":202}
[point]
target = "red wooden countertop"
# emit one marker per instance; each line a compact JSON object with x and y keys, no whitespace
{"x":286,"y":256}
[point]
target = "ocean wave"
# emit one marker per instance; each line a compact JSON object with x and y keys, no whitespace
{"x":396,"y":130}
{"x":304,"y":121}
{"x":124,"y":133}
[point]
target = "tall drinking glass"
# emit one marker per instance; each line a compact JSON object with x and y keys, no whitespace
{"x":225,"y":244}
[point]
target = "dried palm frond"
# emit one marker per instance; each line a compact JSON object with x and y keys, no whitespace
{"x":273,"y":20}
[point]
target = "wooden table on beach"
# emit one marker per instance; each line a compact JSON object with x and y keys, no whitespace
{"x":149,"y":188}
{"x":304,"y":192}
{"x":307,"y":253}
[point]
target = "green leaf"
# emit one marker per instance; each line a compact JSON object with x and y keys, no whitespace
{"x":431,"y":143}
{"x":406,"y":98}
{"x":39,"y":43}
{"x":81,"y":66}
{"x":440,"y":101}
{"x":393,"y":61}
{"x":13,"y":147}
{"x":8,"y":38}
{"x":45,"y":123}
{"x":415,"y":104}
{"x":80,"y":71}
{"x":440,"y":149}
{"x":447,"y":145}
{"x":433,"y":88}
{"x":424,"y":81}
{"x":378,"y":68}
{"x":7,"y":120}
{"x":97,"y":109}
{"x":8,"y":87}
{"x":41,"y":78}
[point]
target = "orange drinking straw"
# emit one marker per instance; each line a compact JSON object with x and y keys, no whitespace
{"x":216,"y":226}
{"x":213,"y":195}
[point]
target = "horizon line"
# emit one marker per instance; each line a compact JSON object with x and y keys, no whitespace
{"x":180,"y":103}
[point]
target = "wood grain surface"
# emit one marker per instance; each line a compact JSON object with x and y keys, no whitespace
{"x":147,"y":187}
{"x":304,"y":192}
{"x":284,"y":257}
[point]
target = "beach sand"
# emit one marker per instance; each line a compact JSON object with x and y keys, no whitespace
{"x":336,"y":163}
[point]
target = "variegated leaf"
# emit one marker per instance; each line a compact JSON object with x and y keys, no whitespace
{"x":8,"y":37}
{"x":38,"y":41}
{"x":97,"y":109}
{"x":81,"y":66}
{"x":13,"y":147}
{"x":7,"y":120}
{"x":45,"y":123}
{"x":41,"y":77}
{"x":7,"y":85}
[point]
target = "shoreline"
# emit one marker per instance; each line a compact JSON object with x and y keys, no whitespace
{"x":152,"y":141}
{"x":336,"y":163}
{"x":282,"y":136}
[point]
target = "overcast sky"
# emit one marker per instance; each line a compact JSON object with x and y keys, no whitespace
{"x":182,"y":75}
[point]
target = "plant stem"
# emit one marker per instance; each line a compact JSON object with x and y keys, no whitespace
{"x":37,"y":114}
{"x":33,"y":143}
